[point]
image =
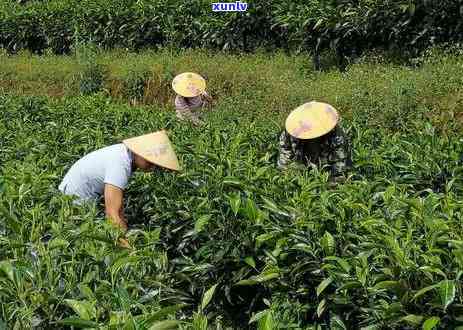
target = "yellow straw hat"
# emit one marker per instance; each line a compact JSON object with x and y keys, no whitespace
{"x":155,"y":148}
{"x":311,"y":120}
{"x":189,"y":84}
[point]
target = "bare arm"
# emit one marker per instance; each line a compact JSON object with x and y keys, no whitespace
{"x":114,"y":206}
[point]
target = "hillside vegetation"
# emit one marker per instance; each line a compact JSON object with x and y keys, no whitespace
{"x":348,"y":26}
{"x":231,"y":242}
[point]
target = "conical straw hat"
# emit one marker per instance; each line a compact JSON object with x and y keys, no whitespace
{"x":311,"y":120}
{"x":155,"y":148}
{"x":183,"y":83}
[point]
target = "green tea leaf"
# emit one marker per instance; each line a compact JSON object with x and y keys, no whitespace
{"x":199,"y":321}
{"x":86,"y":291}
{"x":58,"y":243}
{"x":412,"y":319}
{"x":117,"y":318}
{"x":165,"y":325}
{"x":337,"y":323}
{"x":447,"y":292}
{"x":322,"y":286}
{"x":388,"y":285}
{"x":321,"y":307}
{"x":424,"y":290}
{"x":343,"y":263}
{"x":250,"y":210}
{"x":233,"y":182}
{"x":303,"y":247}
{"x":235,"y":202}
{"x":201,"y":222}
{"x":7,"y":269}
{"x":123,"y":298}
{"x":124,"y":261}
{"x":433,"y":270}
{"x":85,"y":309}
{"x":250,"y":261}
{"x":327,"y":243}
{"x":162,"y":313}
{"x":263,"y":238}
{"x":349,"y":285}
{"x":266,"y":322}
{"x":247,"y":282}
{"x":431,"y":323}
{"x":266,"y":277}
{"x":208,"y":296}
{"x":271,"y":206}
{"x":256,"y":317}
{"x":258,"y":279}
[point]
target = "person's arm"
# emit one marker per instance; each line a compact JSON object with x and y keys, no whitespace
{"x":285,"y":151}
{"x":113,"y":200}
{"x":207,"y":97}
{"x":342,"y":162}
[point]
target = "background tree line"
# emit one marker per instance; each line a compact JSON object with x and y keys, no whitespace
{"x":348,"y":27}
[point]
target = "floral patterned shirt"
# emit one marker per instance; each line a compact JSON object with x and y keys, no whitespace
{"x":185,"y":107}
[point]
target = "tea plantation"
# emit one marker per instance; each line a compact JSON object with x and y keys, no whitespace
{"x":231,"y":242}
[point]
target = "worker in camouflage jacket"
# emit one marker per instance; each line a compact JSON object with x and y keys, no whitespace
{"x":314,"y":138}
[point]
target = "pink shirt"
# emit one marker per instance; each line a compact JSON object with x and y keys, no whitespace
{"x":185,"y":103}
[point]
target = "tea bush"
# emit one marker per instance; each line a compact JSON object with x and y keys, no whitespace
{"x":349,"y":27}
{"x":231,"y":242}
{"x":91,"y":79}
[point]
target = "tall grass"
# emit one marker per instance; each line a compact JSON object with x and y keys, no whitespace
{"x":276,"y":83}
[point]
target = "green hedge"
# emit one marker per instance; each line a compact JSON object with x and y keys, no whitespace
{"x":347,"y":26}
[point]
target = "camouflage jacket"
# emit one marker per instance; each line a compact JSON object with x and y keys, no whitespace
{"x":331,"y":150}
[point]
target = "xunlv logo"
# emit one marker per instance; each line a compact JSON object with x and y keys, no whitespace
{"x":229,"y":6}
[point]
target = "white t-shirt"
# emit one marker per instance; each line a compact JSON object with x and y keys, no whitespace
{"x":87,"y":177}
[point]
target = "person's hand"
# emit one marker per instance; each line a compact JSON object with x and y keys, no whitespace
{"x":339,"y":179}
{"x":124,"y":243}
{"x":297,"y":166}
{"x":113,"y":199}
{"x":332,"y":184}
{"x":335,"y":181}
{"x":207,"y":97}
{"x":122,"y":225}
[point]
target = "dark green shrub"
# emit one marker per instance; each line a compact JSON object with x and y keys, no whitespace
{"x":135,"y":84}
{"x":92,"y":79}
{"x":348,"y":27}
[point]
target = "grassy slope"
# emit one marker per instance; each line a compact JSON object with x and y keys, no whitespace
{"x":274,"y":83}
{"x":383,"y":222}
